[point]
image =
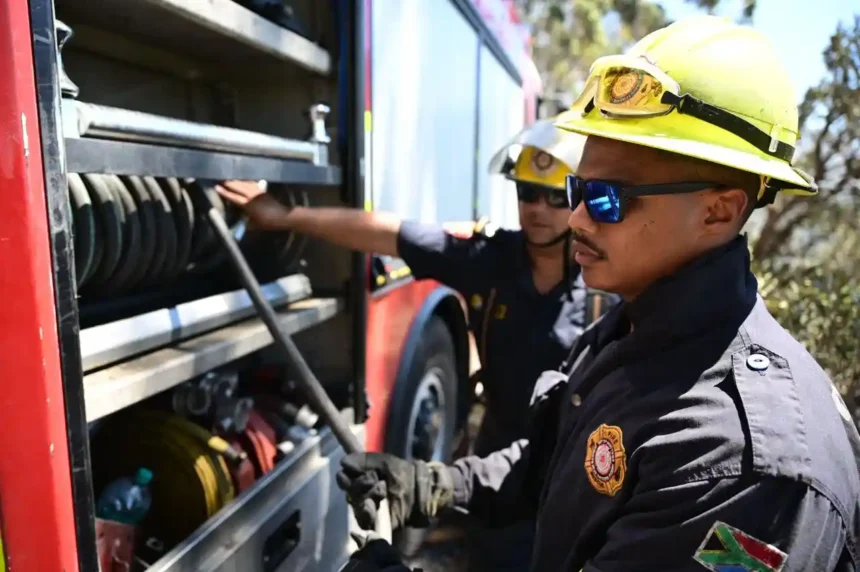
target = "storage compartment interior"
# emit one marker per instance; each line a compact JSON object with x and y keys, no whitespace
{"x":162,"y":99}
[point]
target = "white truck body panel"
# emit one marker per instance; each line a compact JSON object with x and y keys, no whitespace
{"x":502,"y":115}
{"x":427,"y":105}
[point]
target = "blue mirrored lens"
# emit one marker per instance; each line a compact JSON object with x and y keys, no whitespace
{"x":603,"y":201}
{"x":574,"y":195}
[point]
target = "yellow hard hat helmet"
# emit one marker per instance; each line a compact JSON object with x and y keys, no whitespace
{"x":541,"y":154}
{"x":704,"y":87}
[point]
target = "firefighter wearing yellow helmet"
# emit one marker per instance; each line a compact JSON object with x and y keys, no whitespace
{"x":686,"y":431}
{"x":527,"y":305}
{"x":538,"y":160}
{"x":535,"y":292}
{"x":540,"y":154}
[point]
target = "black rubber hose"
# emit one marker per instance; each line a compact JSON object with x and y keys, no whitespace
{"x":130,"y":256}
{"x":203,"y":237}
{"x":188,"y":210}
{"x":108,"y":216}
{"x":166,"y":250}
{"x":183,"y":218}
{"x":98,"y":248}
{"x":305,"y":377}
{"x":148,"y":229}
{"x":208,"y":254}
{"x":84,"y":229}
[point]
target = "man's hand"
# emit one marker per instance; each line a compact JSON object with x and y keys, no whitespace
{"x":416,"y":491}
{"x":374,"y":554}
{"x":263,"y":210}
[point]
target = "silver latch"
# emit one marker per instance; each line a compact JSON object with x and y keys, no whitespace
{"x":318,"y":113}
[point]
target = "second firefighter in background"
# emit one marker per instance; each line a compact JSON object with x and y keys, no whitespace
{"x":526,"y":298}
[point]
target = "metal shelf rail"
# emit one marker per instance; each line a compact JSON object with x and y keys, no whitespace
{"x":119,"y":386}
{"x":122,"y":158}
{"x":114,"y":341}
{"x":104,"y":122}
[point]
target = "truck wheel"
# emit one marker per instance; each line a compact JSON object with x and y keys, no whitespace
{"x":423,"y":411}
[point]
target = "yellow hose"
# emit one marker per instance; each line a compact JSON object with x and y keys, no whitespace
{"x":209,"y":445}
{"x":191,"y":481}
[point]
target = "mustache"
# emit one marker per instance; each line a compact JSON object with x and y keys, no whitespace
{"x":582,"y":239}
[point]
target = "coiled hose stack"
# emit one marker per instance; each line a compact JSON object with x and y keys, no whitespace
{"x":196,"y":473}
{"x":133,"y":233}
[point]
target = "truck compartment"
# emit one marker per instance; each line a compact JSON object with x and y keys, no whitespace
{"x":162,"y":100}
{"x":243,"y":473}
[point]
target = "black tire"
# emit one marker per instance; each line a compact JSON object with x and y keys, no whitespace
{"x":432,"y":373}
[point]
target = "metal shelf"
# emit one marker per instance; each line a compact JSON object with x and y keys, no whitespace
{"x":117,"y":387}
{"x":218,"y":31}
{"x":114,"y":341}
{"x":301,"y":487}
{"x":123,"y":158}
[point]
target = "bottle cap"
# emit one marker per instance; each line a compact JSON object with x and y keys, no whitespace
{"x":143,"y":476}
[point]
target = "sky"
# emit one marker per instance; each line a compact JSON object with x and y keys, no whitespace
{"x":800,"y":29}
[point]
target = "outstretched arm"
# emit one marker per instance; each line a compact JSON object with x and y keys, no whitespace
{"x":346,"y":227}
{"x":428,"y":249}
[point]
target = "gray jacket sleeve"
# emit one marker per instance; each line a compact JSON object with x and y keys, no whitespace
{"x":496,"y":488}
{"x":505,"y":486}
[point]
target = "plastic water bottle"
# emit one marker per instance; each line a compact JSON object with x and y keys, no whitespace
{"x":126,"y":500}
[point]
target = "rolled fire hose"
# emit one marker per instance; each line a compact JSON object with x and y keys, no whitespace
{"x":192,"y":480}
{"x":305,"y":377}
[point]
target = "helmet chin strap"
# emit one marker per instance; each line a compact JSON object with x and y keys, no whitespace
{"x":567,"y":277}
{"x":551,"y":242}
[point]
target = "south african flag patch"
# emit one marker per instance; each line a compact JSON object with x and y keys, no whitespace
{"x":727,"y":549}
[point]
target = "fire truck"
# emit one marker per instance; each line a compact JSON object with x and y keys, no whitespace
{"x":130,"y":337}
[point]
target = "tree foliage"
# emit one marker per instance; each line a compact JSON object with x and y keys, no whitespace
{"x":710,"y":6}
{"x":570,"y":35}
{"x":830,"y":128}
{"x":807,"y":252}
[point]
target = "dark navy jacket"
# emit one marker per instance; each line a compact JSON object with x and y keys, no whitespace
{"x":519,"y":332}
{"x":705,"y":439}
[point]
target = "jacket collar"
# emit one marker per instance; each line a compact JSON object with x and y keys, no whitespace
{"x":715,"y":289}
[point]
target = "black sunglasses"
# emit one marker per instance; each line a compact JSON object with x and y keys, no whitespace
{"x":606,"y":201}
{"x":532,"y":192}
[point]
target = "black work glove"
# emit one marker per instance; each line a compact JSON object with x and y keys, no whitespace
{"x":416,"y":491}
{"x":374,"y":554}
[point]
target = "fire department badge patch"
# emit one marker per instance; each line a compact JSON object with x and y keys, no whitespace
{"x":542,"y":161}
{"x":624,"y":86}
{"x":727,"y":549}
{"x":606,"y":460}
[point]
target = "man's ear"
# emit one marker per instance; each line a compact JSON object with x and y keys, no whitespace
{"x":727,"y":207}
